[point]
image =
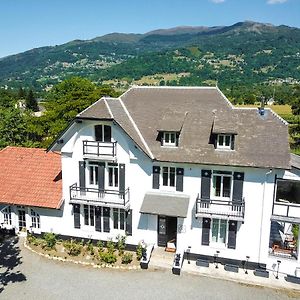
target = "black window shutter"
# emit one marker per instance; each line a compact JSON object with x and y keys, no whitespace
{"x":232,"y":234}
{"x":106,"y":219}
{"x":98,"y":218}
{"x":107,"y":133}
{"x":82,"y":177}
{"x":179,"y":179}
{"x":156,"y":174}
{"x":98,"y":133}
{"x":205,"y":231}
{"x":232,"y":141}
{"x":205,"y":184}
{"x":76,"y":212}
{"x":101,"y":176}
{"x":238,"y":181}
{"x":129,"y":222}
{"x":121,"y":178}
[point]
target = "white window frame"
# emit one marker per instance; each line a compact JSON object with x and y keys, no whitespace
{"x":35,"y":219}
{"x":167,"y":135}
{"x":115,"y":185}
{"x":118,"y":210}
{"x":169,"y":179}
{"x":218,"y":242}
{"x":7,"y":216}
{"x":93,"y":168}
{"x":222,"y":174}
{"x":223,"y":146}
{"x":89,"y":225}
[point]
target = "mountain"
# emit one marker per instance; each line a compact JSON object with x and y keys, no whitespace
{"x":245,"y":53}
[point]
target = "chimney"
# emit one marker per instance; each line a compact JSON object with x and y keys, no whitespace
{"x":262,"y":106}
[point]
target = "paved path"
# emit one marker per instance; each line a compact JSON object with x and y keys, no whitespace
{"x":34,"y":277}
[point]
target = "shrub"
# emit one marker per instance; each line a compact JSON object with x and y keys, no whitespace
{"x":90,"y":247}
{"x":139,"y":251}
{"x":73,"y":248}
{"x":107,"y":257}
{"x":50,"y":239}
{"x":110,"y":245}
{"x":127,"y":258}
{"x":36,"y":241}
{"x":100,"y":246}
{"x":121,"y":244}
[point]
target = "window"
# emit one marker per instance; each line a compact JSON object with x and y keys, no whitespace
{"x":35,"y":219}
{"x":169,"y":139}
{"x":169,"y":174}
{"x":113,"y":175}
{"x":119,"y":218}
{"x":224,"y":141}
{"x":93,"y":172}
{"x":103,"y":133}
{"x":222,"y":182}
{"x":89,"y":215}
{"x":7,"y":215}
{"x":219,"y":231}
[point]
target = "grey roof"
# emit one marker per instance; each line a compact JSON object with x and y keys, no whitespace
{"x":173,"y":205}
{"x":96,"y":111}
{"x":295,"y":161}
{"x":260,"y":141}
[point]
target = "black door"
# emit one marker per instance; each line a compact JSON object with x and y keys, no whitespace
{"x":22,"y":219}
{"x":162,"y":231}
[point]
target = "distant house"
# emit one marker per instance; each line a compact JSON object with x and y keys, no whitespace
{"x":170,"y":166}
{"x":271,"y":101}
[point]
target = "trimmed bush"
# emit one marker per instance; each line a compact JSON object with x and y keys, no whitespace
{"x":100,"y":246}
{"x":121,"y":244}
{"x":139,"y":251}
{"x":107,"y":257}
{"x":127,"y":258}
{"x":50,"y":239}
{"x":110,"y":245}
{"x":90,"y":247}
{"x":73,"y":248}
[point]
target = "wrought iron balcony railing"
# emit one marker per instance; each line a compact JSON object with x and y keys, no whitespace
{"x":94,"y":196}
{"x":99,"y":149}
{"x":214,"y":208}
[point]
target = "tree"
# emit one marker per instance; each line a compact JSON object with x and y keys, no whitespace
{"x":21,"y":93}
{"x":31,"y":102}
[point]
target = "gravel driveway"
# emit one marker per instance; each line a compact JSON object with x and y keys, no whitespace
{"x":25,"y":275}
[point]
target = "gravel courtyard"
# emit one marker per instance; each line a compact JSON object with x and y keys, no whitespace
{"x":25,"y":275}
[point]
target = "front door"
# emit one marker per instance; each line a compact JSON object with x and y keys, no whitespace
{"x":167,"y":230}
{"x":22,"y":219}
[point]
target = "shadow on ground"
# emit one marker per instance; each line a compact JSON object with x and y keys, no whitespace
{"x":9,"y":260}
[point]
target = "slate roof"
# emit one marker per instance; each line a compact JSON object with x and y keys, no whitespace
{"x":260,"y":141}
{"x":295,"y":161}
{"x":30,"y":177}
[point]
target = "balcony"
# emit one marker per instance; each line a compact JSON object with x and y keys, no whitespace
{"x":286,"y":212}
{"x":209,"y":208}
{"x":93,"y":196}
{"x":102,"y":150}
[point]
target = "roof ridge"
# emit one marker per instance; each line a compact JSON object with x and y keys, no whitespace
{"x":108,"y":108}
{"x":78,"y":115}
{"x":169,"y":87}
{"x":136,"y":128}
{"x":224,"y":97}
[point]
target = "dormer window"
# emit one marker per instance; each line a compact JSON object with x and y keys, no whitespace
{"x":170,"y":139}
{"x":103,"y":133}
{"x":225,"y":141}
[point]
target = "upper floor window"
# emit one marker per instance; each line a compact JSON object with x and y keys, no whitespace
{"x":169,"y":175}
{"x":224,"y":141}
{"x":170,"y":139}
{"x":222,"y":181}
{"x":103,"y":133}
{"x":113,"y":175}
{"x":93,"y":172}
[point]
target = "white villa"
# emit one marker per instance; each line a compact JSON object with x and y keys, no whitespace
{"x":176,"y":167}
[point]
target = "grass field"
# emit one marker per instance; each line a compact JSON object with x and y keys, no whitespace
{"x":282,"y":110}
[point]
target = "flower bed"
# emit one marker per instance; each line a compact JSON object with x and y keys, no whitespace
{"x":113,"y":253}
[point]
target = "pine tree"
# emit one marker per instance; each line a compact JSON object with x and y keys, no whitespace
{"x":31,"y":102}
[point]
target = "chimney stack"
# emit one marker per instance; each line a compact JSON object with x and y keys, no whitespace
{"x":262,"y":106}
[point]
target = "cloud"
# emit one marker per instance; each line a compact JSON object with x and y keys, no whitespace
{"x":276,"y":1}
{"x":217,"y":1}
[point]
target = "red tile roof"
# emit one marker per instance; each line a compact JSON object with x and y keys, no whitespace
{"x":30,"y":177}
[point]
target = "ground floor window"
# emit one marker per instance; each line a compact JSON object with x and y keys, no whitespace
{"x":89,"y":215}
{"x":119,"y":218}
{"x":35,"y":219}
{"x":7,"y":215}
{"x":219,"y":231}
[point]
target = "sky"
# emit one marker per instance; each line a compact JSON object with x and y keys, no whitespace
{"x":27,"y":24}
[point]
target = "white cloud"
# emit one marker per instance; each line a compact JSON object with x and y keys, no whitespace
{"x":276,"y":1}
{"x":217,"y":1}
